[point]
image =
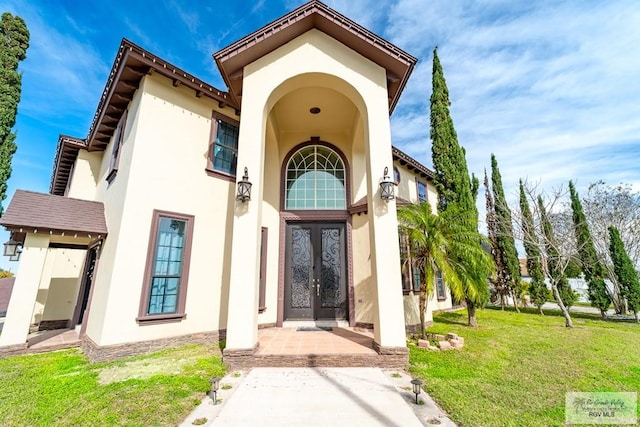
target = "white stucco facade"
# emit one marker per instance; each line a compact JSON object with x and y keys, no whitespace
{"x":236,"y":261}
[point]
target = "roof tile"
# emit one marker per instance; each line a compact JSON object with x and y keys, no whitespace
{"x":29,"y":209}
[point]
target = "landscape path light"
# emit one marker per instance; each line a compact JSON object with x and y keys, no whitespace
{"x":417,"y":387}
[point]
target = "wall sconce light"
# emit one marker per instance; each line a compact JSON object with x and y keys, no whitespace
{"x":386,"y":186}
{"x":417,"y":388}
{"x":11,"y":247}
{"x":215,"y":384}
{"x":244,"y":188}
{"x":16,"y":257}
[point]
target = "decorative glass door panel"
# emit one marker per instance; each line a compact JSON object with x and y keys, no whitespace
{"x":315,"y":279}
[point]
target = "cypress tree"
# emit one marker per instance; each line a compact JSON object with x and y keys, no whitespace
{"x":497,"y":279}
{"x":14,"y":41}
{"x":451,"y":175}
{"x":562,"y":291}
{"x":505,"y":240}
{"x":624,"y":270}
{"x":537,"y":288}
{"x":593,"y":270}
{"x":454,"y":185}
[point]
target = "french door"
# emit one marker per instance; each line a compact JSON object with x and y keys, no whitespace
{"x":315,"y":271}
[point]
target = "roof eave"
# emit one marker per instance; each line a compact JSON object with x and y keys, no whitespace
{"x":132,"y":63}
{"x":316,"y":14}
{"x":66,"y":153}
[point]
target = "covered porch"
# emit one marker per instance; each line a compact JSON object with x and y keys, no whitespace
{"x":56,"y":241}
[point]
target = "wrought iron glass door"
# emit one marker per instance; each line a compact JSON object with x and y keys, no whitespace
{"x":315,"y":271}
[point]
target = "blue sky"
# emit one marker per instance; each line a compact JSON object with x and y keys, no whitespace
{"x":551,"y":87}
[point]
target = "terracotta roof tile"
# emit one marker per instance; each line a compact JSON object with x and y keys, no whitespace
{"x":31,"y":210}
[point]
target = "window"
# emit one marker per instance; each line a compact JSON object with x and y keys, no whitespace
{"x":440,"y":289}
{"x":263,"y":270}
{"x":422,"y":191}
{"x":167,"y":270}
{"x":411,"y":276}
{"x":396,"y":175}
{"x":405,"y":265}
{"x":223,"y":146}
{"x":118,"y":136}
{"x":315,"y":179}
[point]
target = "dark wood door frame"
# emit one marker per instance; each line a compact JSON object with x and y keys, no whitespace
{"x":85,"y":292}
{"x":315,"y":216}
{"x":318,"y":249}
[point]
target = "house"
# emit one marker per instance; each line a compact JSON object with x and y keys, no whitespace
{"x":189,"y":213}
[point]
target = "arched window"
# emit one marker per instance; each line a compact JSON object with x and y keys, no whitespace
{"x":315,"y":179}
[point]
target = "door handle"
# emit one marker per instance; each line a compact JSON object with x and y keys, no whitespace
{"x":317,"y":287}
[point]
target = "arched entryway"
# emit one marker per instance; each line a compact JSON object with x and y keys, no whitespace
{"x":315,"y":259}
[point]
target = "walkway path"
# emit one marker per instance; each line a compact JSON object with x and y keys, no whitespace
{"x":318,"y":397}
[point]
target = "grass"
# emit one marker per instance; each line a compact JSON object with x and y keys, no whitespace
{"x":62,"y":388}
{"x":516,"y":367}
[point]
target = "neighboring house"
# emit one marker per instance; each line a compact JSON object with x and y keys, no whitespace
{"x":578,"y":284}
{"x":144,"y":240}
{"x":6,"y":284}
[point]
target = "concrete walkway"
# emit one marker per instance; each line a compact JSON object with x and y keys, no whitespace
{"x":318,"y":397}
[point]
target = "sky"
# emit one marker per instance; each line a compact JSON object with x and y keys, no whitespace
{"x":552,"y":88}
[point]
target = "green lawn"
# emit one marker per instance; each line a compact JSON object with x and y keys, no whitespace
{"x":62,"y":388}
{"x":516,"y":368}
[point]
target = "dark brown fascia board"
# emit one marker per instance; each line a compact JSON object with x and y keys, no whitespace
{"x":21,"y":229}
{"x":404,"y":158}
{"x":68,"y":147}
{"x":133,"y":56}
{"x":309,"y":11}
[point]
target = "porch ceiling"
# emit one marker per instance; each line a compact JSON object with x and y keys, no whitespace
{"x":46,"y":213}
{"x":292,"y":112}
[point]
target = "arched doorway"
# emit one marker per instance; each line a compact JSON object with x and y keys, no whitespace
{"x":315,"y":199}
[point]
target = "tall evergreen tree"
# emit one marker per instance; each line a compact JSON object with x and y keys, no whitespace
{"x":562,"y":291}
{"x":625,"y":272}
{"x":537,"y":288}
{"x":454,"y":185}
{"x":451,"y":175}
{"x":14,"y":41}
{"x":498,"y":280}
{"x":594,"y":272}
{"x":504,"y":236}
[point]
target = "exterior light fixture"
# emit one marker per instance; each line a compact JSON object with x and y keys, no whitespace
{"x":11,"y":248}
{"x":16,"y":257}
{"x":215,"y":384}
{"x":244,"y":188}
{"x":386,"y":186}
{"x":417,"y":387}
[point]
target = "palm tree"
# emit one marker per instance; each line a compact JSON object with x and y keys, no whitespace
{"x":448,"y":244}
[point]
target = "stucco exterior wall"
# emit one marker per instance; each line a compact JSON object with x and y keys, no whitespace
{"x":84,"y":178}
{"x":362,"y":280}
{"x":271,"y":220}
{"x":162,"y":166}
{"x":59,"y":283}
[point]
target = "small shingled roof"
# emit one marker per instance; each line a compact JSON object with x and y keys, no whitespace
{"x":46,"y":212}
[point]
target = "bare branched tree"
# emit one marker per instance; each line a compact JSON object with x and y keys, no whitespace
{"x":553,"y":236}
{"x":618,"y":206}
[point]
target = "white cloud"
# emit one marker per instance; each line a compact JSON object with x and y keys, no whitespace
{"x":550,"y":87}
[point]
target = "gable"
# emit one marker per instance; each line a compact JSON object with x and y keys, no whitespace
{"x":315,"y":15}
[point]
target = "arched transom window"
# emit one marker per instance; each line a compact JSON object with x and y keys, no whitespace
{"x":315,"y":179}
